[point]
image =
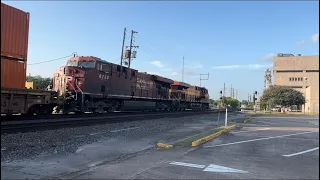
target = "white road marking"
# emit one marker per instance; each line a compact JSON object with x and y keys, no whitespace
{"x":188,"y":164}
{"x":250,"y":131}
{"x":216,"y":168}
{"x":210,"y":168}
{"x":302,"y":152}
{"x":259,"y":139}
{"x":257,"y":125}
{"x":279,"y":117}
{"x":79,"y":150}
{"x":97,"y":133}
{"x":125,"y":129}
{"x":302,"y":139}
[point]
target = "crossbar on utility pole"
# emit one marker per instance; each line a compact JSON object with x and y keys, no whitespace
{"x":203,"y":78}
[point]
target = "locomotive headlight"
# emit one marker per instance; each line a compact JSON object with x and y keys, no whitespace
{"x":79,"y":82}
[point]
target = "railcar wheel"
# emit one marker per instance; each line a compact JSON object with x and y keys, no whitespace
{"x":34,"y":110}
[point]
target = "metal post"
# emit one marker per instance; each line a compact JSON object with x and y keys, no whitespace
{"x":226,"y":119}
{"x":123,"y":41}
{"x":218,"y":116}
{"x":183,"y":69}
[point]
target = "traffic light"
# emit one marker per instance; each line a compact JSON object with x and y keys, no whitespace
{"x":220,"y":93}
{"x":254,"y":96}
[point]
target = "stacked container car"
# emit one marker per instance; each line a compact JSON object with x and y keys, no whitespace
{"x":14,"y":52}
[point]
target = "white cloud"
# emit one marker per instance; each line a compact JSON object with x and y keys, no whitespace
{"x":195,"y":66}
{"x":174,"y":74}
{"x":315,"y":38}
{"x":300,"y":43}
{"x":166,"y":69}
{"x":268,"y":57}
{"x":157,"y":63}
{"x":247,"y":66}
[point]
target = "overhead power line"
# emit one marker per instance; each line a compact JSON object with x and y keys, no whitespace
{"x":52,"y":59}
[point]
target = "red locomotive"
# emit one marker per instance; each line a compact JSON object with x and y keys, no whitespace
{"x":88,"y":83}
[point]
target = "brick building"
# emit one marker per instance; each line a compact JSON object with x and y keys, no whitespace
{"x":301,"y":73}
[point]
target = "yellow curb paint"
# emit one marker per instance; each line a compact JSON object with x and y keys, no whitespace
{"x":208,"y":138}
{"x":164,"y":145}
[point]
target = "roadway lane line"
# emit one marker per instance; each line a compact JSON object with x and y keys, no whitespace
{"x":250,"y":131}
{"x":188,"y":164}
{"x":259,"y":139}
{"x":125,"y":129}
{"x":302,"y":152}
{"x":279,"y":117}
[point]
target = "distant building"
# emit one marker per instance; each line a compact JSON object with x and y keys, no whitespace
{"x":267,"y":78}
{"x":301,"y":73}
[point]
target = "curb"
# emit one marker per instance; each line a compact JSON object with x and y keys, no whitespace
{"x":162,"y":145}
{"x":249,"y":119}
{"x":208,"y":138}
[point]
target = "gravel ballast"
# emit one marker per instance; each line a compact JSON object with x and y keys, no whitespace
{"x":67,"y":140}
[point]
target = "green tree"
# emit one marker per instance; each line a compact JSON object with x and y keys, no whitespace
{"x":282,"y":96}
{"x":233,"y":103}
{"x":244,"y":102}
{"x":214,"y":102}
{"x":40,"y":82}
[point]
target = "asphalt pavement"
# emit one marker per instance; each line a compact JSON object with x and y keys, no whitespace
{"x":268,"y":147}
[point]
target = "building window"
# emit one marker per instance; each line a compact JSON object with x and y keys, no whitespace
{"x":289,"y":79}
{"x":305,"y":78}
{"x":295,"y":79}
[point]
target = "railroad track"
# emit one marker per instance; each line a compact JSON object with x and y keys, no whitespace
{"x":59,"y":116}
{"x":27,"y":126}
{"x":62,"y":116}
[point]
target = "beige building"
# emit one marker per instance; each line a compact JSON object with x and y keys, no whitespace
{"x":301,"y":73}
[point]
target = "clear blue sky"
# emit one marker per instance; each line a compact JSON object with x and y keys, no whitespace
{"x":233,"y":41}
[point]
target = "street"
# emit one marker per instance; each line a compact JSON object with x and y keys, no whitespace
{"x":265,"y":148}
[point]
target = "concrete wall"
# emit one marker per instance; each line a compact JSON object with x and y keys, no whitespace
{"x":302,"y":74}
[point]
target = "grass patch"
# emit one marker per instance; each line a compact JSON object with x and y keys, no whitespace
{"x":313,"y":114}
{"x":245,"y":119}
{"x":188,"y":141}
{"x":255,"y":115}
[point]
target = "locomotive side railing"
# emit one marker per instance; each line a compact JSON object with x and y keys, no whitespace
{"x":82,"y":96}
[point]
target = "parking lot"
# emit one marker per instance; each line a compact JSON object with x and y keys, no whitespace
{"x":268,"y":147}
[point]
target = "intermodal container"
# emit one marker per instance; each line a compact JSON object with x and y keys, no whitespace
{"x":14,"y":46}
{"x":13,"y":73}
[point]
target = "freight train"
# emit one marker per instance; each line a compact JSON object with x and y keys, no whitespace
{"x":88,"y":83}
{"x":85,"y":83}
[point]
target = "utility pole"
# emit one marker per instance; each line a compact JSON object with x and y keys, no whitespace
{"x":233,"y":93}
{"x":203,"y":78}
{"x":130,"y":49}
{"x":236,"y":94}
{"x":183,"y":68}
{"x":123,"y":41}
{"x":224,"y":89}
